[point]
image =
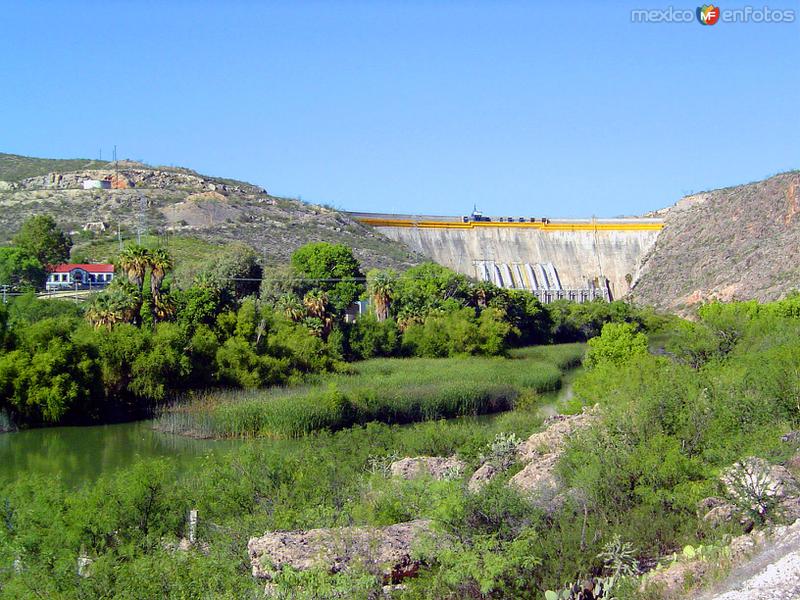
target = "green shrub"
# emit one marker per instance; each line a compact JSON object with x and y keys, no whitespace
{"x":617,"y":344}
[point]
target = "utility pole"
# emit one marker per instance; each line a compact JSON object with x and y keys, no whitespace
{"x":140,"y":224}
{"x":119,"y":236}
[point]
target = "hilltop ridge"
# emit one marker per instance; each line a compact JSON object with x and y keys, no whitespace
{"x":178,"y":202}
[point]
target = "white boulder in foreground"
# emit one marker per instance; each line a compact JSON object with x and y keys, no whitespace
{"x":437,"y":467}
{"x":385,"y":551}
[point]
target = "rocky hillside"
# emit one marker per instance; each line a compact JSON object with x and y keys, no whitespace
{"x":179,"y":202}
{"x":735,"y":243}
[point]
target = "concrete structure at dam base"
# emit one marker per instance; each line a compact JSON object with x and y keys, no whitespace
{"x":575,"y":259}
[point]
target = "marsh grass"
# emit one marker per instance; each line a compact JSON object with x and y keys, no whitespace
{"x":392,"y":391}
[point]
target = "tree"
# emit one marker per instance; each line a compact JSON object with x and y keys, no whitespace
{"x":20,"y":269}
{"x":617,"y":344}
{"x":235,"y":271}
{"x":332,"y":269}
{"x":291,"y":307}
{"x":44,"y":239}
{"x":50,"y":373}
{"x":380,"y":285}
{"x":319,"y":320}
{"x":134,"y":260}
{"x":160,"y":263}
{"x":118,"y":303}
{"x":482,"y":292}
{"x":429,"y":287}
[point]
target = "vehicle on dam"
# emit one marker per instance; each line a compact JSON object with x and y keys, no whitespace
{"x":477,"y":216}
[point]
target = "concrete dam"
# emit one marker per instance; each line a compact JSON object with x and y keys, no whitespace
{"x":575,"y":259}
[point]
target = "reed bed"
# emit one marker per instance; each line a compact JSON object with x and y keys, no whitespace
{"x":392,"y":391}
{"x":564,"y":356}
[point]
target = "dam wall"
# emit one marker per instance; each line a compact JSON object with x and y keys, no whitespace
{"x":554,"y":258}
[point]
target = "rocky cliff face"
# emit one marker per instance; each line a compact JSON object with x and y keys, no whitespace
{"x":736,"y":243}
{"x":135,"y":175}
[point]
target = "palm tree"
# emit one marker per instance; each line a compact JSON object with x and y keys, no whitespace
{"x":100,"y":312}
{"x":291,"y":307}
{"x":380,"y":285}
{"x":118,"y":303}
{"x":482,"y":292}
{"x":205,"y":281}
{"x":408,"y":317}
{"x":163,"y":307}
{"x":125,"y":300}
{"x":134,"y":260}
{"x":160,"y":263}
{"x":316,"y":302}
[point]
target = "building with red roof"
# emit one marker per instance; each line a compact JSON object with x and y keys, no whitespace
{"x":80,"y":275}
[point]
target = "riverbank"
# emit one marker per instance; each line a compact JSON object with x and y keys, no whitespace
{"x":392,"y":391}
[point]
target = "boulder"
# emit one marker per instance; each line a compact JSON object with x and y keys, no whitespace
{"x":538,"y":478}
{"x":716,"y":511}
{"x":756,"y":485}
{"x":385,"y":551}
{"x":721,"y":514}
{"x":485,"y":473}
{"x":554,"y":436}
{"x":541,"y":452}
{"x":671,"y":582}
{"x":710,"y":503}
{"x":436,"y":467}
{"x":793,"y":464}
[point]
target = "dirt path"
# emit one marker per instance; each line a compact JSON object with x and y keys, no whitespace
{"x":772,"y":574}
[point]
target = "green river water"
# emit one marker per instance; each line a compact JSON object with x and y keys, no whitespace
{"x":81,"y":454}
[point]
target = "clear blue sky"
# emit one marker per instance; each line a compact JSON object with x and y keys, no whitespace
{"x":556,"y":108}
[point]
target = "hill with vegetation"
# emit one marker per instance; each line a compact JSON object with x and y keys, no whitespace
{"x":736,"y":243}
{"x":14,"y":167}
{"x":179,"y":205}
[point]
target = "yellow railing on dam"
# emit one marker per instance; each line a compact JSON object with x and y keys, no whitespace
{"x":554,"y":225}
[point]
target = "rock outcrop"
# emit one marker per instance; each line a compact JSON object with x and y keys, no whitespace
{"x":485,"y":473}
{"x":137,"y":176}
{"x":385,"y":551}
{"x":541,"y":452}
{"x":553,"y":438}
{"x":759,"y":487}
{"x":436,"y":467}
